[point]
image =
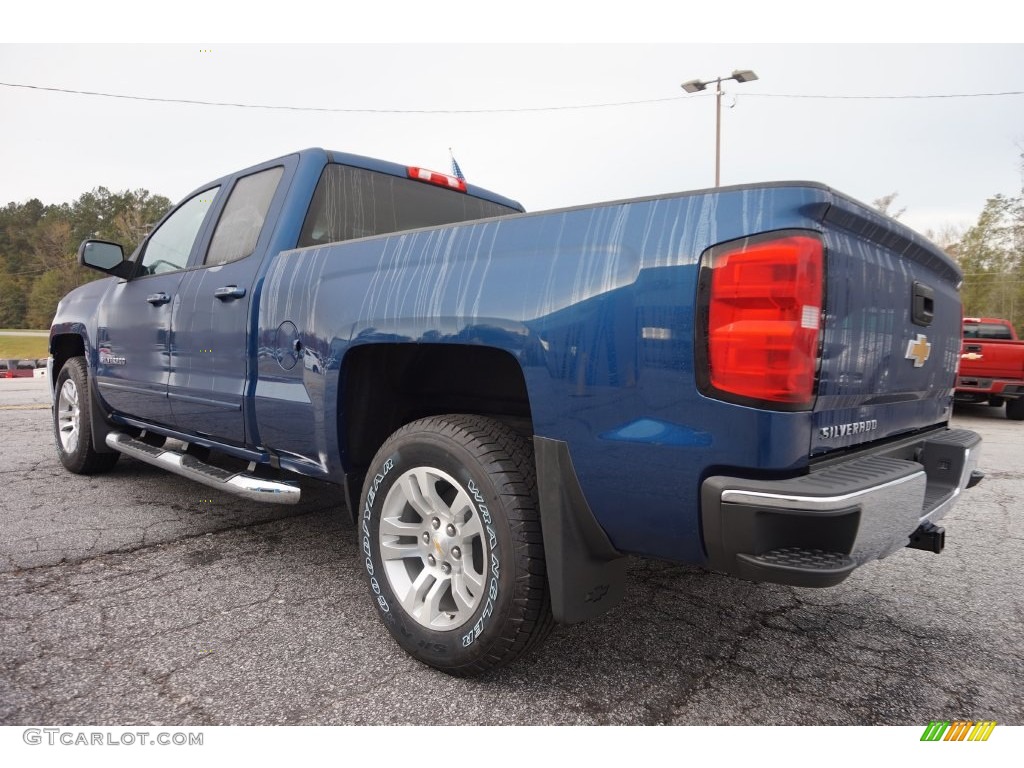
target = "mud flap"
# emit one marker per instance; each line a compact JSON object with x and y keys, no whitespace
{"x":99,"y":425}
{"x":586,"y":574}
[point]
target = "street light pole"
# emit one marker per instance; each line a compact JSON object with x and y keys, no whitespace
{"x":692,"y":86}
{"x":718,"y":131}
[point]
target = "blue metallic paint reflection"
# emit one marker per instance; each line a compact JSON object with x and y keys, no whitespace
{"x":566,"y":293}
{"x":658,"y":433}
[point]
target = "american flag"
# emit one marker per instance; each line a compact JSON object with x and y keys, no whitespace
{"x":456,"y":171}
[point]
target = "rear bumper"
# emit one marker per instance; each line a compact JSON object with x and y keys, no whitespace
{"x":813,"y":530}
{"x":970,"y":388}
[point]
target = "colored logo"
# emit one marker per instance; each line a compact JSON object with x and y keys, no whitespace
{"x":958,"y":730}
{"x":918,"y":350}
{"x":971,"y":356}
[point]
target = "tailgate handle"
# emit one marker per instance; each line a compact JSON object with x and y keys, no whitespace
{"x":923,"y":303}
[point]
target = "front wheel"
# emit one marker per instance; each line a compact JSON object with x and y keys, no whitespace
{"x":450,"y":531}
{"x":72,"y":428}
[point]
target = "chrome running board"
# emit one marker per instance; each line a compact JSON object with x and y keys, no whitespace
{"x":237,"y":483}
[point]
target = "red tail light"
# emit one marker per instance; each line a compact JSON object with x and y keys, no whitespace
{"x":762,"y":301}
{"x":433,"y":177}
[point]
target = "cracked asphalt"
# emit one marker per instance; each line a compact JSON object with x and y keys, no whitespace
{"x":138,"y":598}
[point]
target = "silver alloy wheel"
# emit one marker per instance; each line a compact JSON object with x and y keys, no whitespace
{"x":432,"y":547}
{"x":68,"y":417}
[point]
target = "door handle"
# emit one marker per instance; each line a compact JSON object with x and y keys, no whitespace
{"x":229,"y":293}
{"x":156,"y":299}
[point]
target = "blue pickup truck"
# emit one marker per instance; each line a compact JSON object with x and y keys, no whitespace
{"x":755,"y":379}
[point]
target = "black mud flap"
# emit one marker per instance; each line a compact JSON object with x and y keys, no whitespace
{"x":353,"y":492}
{"x":97,"y":422}
{"x":586,"y":574}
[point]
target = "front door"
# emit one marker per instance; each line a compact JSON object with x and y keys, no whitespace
{"x":134,"y":318}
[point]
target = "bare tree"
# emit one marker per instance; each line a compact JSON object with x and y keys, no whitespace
{"x":884,"y":205}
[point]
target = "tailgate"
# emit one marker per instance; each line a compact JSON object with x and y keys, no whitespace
{"x":992,"y":359}
{"x":892,"y":328}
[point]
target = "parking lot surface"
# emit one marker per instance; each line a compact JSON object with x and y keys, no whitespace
{"x":140,"y":598}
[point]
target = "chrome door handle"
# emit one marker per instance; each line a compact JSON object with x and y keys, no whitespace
{"x":229,"y":293}
{"x":156,"y":299}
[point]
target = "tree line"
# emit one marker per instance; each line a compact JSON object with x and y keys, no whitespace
{"x":990,"y":253}
{"x":39,"y":243}
{"x":39,"y":247}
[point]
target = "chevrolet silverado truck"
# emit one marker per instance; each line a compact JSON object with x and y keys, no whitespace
{"x":755,"y":379}
{"x":992,"y":366}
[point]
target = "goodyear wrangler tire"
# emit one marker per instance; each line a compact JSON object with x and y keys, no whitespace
{"x":450,"y":532}
{"x":72,"y":428}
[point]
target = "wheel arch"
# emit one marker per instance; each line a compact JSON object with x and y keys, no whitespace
{"x":383,"y":387}
{"x":62,"y":348}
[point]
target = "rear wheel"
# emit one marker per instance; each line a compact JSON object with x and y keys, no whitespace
{"x":72,"y":428}
{"x":1015,"y":409}
{"x":450,"y":531}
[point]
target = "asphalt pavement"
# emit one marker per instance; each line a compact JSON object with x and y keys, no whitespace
{"x":140,"y":598}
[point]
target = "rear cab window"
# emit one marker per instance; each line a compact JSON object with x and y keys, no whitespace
{"x":352,"y":202}
{"x":986,"y":331}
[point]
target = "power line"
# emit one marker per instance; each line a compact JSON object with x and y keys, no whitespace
{"x":494,"y":110}
{"x":893,"y":97}
{"x":350,"y":110}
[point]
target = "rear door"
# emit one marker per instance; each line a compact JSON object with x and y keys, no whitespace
{"x":891,"y":338}
{"x":134,"y":319}
{"x":211,"y":334}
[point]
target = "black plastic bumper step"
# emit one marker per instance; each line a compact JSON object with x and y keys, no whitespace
{"x":797,"y":566}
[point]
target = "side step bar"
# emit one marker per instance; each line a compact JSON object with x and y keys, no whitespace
{"x":237,"y":483}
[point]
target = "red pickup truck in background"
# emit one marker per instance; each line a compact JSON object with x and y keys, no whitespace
{"x":992,"y":366}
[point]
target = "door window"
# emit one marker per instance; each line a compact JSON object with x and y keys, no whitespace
{"x":244,"y":214}
{"x":168,"y":249}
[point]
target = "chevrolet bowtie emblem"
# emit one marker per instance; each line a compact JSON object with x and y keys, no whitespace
{"x":971,"y":356}
{"x":918,"y":350}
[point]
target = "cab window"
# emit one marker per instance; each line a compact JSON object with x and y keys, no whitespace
{"x":353,"y":202}
{"x":168,"y":248}
{"x":244,"y":215}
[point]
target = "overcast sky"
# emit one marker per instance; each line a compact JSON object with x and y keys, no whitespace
{"x":944,"y":156}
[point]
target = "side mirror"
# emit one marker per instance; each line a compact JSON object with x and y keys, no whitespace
{"x":104,"y":256}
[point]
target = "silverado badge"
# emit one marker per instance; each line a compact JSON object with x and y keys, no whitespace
{"x":918,"y":350}
{"x":108,"y":358}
